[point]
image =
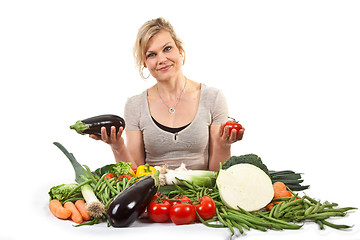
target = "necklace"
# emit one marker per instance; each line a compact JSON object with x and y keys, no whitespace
{"x":172,"y":109}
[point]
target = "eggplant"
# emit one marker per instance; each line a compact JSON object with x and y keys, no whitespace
{"x":129,"y":204}
{"x":93,"y":125}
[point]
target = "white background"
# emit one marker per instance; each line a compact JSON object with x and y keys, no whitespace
{"x":289,"y":69}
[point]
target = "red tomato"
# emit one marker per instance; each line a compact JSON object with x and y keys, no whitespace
{"x":109,"y":175}
{"x":128,"y":177}
{"x":182,"y":213}
{"x":206,"y":208}
{"x":159,"y":211}
{"x":181,"y":199}
{"x":233,"y":125}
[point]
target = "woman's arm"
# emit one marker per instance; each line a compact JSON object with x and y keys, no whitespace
{"x":220,"y":144}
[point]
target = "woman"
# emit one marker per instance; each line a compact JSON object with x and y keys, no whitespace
{"x":177,"y":120}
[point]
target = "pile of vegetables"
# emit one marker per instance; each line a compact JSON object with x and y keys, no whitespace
{"x":241,"y":196}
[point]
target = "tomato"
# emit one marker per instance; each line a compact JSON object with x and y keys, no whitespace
{"x":159,"y":211}
{"x":182,"y":213}
{"x":206,"y":208}
{"x":109,"y":175}
{"x":128,"y":177}
{"x":233,"y":125}
{"x":181,"y":199}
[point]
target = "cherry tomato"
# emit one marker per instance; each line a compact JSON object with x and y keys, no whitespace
{"x":181,"y":199}
{"x":182,"y":213}
{"x":159,"y":211}
{"x":206,"y":208}
{"x":233,"y":125}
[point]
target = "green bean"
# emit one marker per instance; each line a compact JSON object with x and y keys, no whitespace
{"x":229,"y":222}
{"x":102,"y":187}
{"x":320,"y":223}
{"x":281,"y":199}
{"x":118,"y":186}
{"x":313,"y":201}
{"x":316,"y":208}
{"x":235,"y":224}
{"x":251,"y":219}
{"x":182,"y":191}
{"x":277,"y":209}
{"x":309,"y":210}
{"x":92,"y":222}
{"x":111,"y":187}
{"x":283,"y":223}
{"x":106,"y":190}
{"x":336,"y":226}
{"x":185,"y":183}
{"x":244,"y":211}
{"x":338,"y":209}
{"x":291,"y":203}
{"x":97,"y":187}
{"x":224,"y":222}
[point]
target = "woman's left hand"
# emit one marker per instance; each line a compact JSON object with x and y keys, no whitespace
{"x":227,"y":137}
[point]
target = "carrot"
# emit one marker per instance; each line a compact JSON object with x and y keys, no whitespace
{"x":75,"y":214}
{"x":58,"y":210}
{"x":279,"y":186}
{"x":80,"y":205}
{"x":282,"y":194}
{"x":270,"y":206}
{"x":280,"y":191}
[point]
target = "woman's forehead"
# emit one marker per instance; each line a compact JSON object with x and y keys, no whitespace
{"x":159,"y":40}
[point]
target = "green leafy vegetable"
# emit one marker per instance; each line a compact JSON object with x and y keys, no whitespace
{"x":64,"y":192}
{"x":247,"y":158}
{"x":121,"y":168}
{"x":118,"y":169}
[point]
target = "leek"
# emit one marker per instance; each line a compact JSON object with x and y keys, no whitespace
{"x":198,"y":177}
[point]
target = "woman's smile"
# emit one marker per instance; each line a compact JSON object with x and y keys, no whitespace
{"x":164,"y":69}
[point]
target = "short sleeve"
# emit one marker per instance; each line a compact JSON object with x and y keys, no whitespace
{"x":132,"y":113}
{"x":220,"y":111}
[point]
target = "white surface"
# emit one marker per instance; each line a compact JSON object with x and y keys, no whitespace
{"x":290,"y":71}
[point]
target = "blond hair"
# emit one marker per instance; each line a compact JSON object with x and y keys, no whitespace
{"x":146,"y":32}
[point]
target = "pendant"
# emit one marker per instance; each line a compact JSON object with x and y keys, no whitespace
{"x":172,"y":110}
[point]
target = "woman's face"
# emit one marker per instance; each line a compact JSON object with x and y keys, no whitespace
{"x":162,"y":57}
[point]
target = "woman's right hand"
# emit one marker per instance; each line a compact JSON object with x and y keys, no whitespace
{"x":115,"y":140}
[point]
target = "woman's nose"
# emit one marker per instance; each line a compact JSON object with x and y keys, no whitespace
{"x":161,"y":58}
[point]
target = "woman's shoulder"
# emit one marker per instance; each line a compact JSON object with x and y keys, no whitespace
{"x":136,"y":100}
{"x":210,"y":92}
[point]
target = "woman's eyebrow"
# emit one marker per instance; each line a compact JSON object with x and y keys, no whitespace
{"x":150,"y":51}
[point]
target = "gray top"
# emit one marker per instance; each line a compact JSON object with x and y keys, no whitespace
{"x":190,"y":145}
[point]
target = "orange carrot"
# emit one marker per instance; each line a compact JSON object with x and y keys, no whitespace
{"x":58,"y":210}
{"x":270,"y":206}
{"x":282,"y":194}
{"x":279,"y":186}
{"x":80,"y":205}
{"x":75,"y":214}
{"x":280,"y":191}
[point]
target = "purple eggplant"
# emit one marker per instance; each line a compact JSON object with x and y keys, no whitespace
{"x":93,"y":125}
{"x":129,"y":204}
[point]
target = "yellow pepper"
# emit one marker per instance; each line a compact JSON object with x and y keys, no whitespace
{"x":145,"y":170}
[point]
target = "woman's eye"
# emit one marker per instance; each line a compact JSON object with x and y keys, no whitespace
{"x":168,"y":48}
{"x":150,"y":55}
